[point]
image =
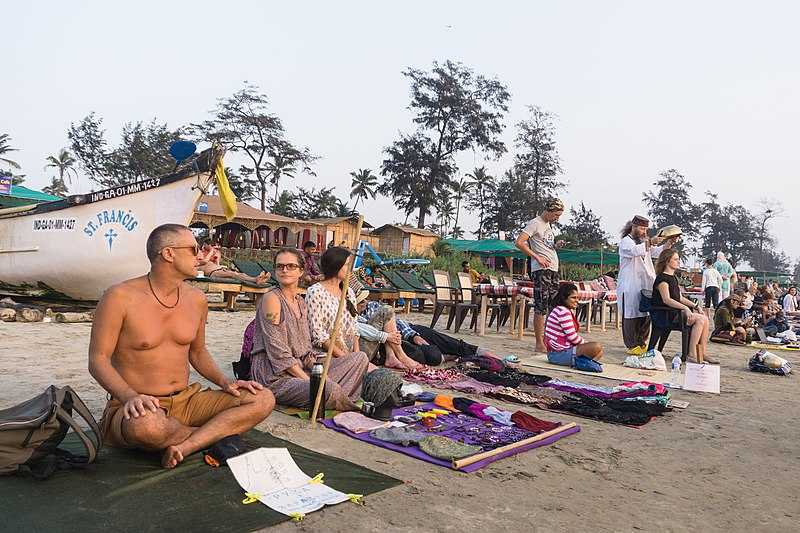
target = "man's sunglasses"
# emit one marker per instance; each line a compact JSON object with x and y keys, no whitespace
{"x":195,"y":248}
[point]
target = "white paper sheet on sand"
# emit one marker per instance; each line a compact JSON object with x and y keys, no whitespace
{"x":272,"y":474}
{"x":701,"y":378}
{"x":610,"y":370}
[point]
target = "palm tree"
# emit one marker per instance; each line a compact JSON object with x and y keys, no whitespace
{"x":4,"y":149}
{"x":64,"y":163}
{"x":56,"y":188}
{"x":460,"y":188}
{"x":444,"y":208}
{"x":278,"y":167}
{"x":364,"y":185}
{"x":482,"y":184}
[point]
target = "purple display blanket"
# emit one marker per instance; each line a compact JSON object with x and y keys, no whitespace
{"x":453,"y":426}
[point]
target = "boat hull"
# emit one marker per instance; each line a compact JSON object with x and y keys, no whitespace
{"x":81,"y":250}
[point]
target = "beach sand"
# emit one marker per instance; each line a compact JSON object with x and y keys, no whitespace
{"x":728,"y":462}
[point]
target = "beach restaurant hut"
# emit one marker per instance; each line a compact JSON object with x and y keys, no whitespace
{"x":339,"y":229}
{"x":399,"y":239}
{"x":253,"y":228}
{"x":18,"y":195}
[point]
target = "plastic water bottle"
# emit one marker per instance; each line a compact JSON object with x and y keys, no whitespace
{"x":316,"y":381}
{"x":674,"y":379}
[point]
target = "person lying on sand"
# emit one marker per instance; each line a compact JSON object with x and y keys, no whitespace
{"x":146,"y":333}
{"x":208,"y":259}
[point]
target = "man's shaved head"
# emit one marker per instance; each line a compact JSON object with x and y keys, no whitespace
{"x":162,"y":236}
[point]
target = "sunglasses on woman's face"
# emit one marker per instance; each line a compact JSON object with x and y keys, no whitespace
{"x":288,"y":267}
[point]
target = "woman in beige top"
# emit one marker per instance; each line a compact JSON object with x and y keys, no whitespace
{"x":322,"y":301}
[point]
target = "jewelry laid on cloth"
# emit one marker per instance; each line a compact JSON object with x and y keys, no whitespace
{"x":173,"y":306}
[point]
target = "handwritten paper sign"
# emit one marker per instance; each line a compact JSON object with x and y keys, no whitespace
{"x":280,"y":484}
{"x":701,"y":378}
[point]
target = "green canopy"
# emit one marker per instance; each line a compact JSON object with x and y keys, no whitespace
{"x":780,"y":277}
{"x":588,"y":257}
{"x":501,"y":248}
{"x":495,"y":247}
{"x":20,"y":195}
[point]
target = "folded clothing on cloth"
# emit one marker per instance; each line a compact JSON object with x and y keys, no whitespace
{"x":446,"y":448}
{"x":357,"y":423}
{"x":425,"y":396}
{"x":498,"y":415}
{"x":523,"y":420}
{"x":404,"y":436}
{"x":445,"y":401}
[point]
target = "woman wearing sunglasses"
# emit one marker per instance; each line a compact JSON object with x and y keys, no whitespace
{"x":283,"y":353}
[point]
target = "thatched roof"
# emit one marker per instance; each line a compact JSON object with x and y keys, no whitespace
{"x":247,"y":211}
{"x":336,"y":220}
{"x":405,"y":229}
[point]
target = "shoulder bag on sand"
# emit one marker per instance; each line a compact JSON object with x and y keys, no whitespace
{"x":31,"y":432}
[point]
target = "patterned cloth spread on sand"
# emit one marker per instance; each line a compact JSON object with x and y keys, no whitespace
{"x":279,"y":347}
{"x":633,"y":403}
{"x":322,"y":308}
{"x":634,"y":412}
{"x":448,"y":379}
{"x":507,"y":378}
{"x":632,"y":389}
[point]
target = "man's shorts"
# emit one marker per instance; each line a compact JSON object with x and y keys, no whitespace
{"x":563,"y":358}
{"x":545,"y":287}
{"x":191,"y":407}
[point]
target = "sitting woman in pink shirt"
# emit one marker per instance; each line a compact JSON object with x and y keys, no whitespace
{"x":561,"y":330}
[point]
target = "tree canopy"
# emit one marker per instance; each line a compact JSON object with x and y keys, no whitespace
{"x":242,"y":123}
{"x":143,"y":151}
{"x":455,"y":110}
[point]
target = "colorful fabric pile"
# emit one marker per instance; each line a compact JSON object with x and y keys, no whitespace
{"x":630,"y":403}
{"x":462,"y":429}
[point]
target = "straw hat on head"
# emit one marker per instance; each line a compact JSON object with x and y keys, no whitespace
{"x":669,"y":231}
{"x":361,"y":296}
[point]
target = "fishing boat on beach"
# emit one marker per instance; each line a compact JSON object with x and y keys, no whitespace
{"x":79,"y":246}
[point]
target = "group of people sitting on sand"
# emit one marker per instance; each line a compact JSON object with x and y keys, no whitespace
{"x":148,"y":331}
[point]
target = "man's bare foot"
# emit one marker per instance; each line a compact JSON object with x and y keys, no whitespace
{"x":172,"y":457}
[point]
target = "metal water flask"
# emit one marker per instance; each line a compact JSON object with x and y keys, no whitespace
{"x":316,"y":381}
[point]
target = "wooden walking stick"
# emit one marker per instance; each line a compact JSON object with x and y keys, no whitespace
{"x":336,"y":325}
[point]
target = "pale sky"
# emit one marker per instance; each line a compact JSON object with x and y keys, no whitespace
{"x":708,"y":88}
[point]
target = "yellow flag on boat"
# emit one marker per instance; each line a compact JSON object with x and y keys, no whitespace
{"x":226,"y":195}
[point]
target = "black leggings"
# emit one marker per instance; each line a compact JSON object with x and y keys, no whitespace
{"x":445,"y":343}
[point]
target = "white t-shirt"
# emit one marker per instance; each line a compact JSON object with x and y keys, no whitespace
{"x":541,"y":240}
{"x":711,"y":278}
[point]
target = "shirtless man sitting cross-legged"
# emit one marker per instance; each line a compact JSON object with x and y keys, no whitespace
{"x":146,"y":333}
